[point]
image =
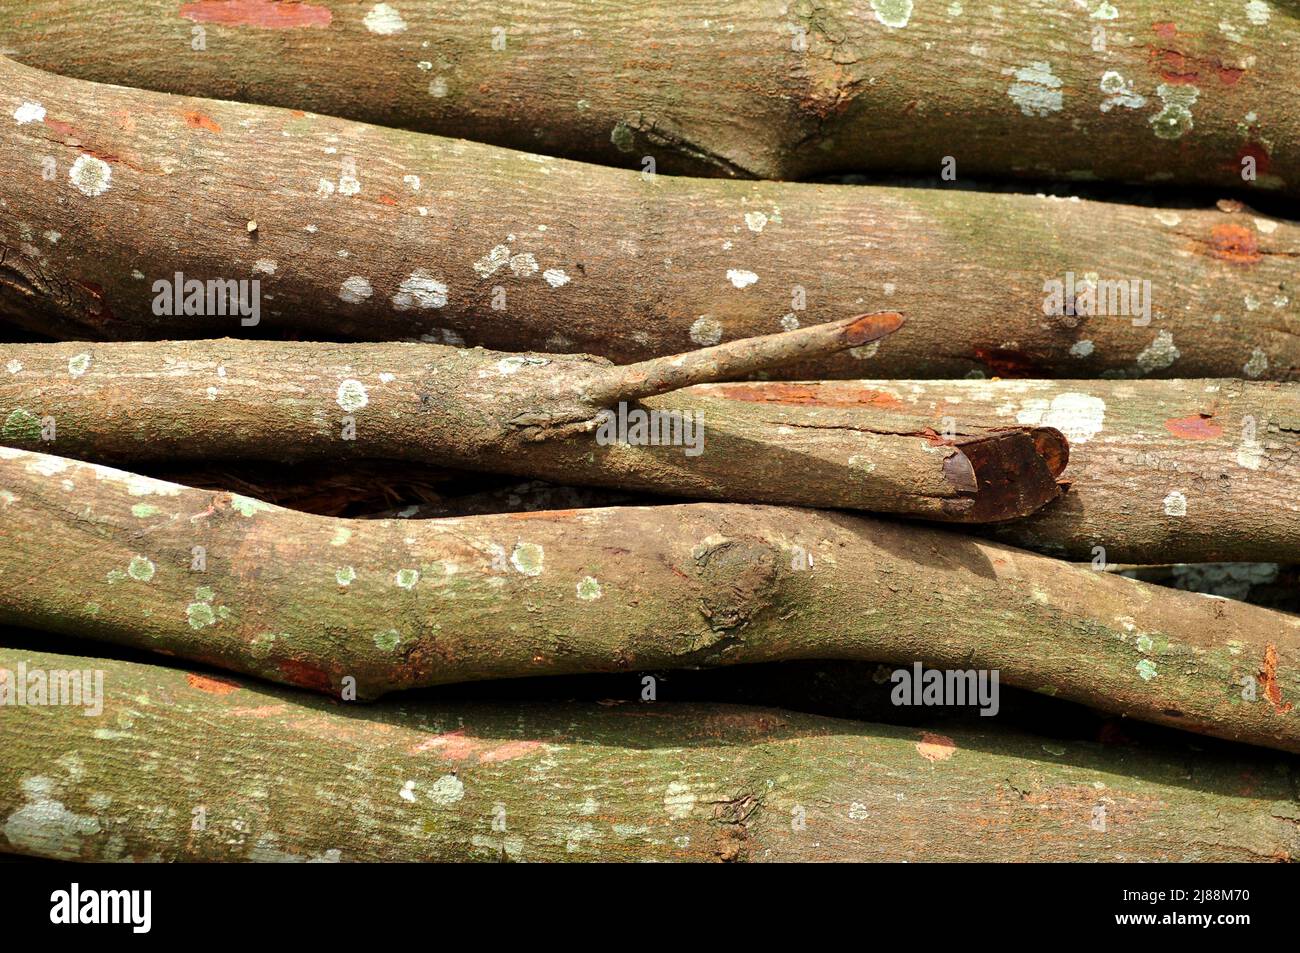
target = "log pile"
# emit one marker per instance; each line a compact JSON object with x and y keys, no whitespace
{"x":327,"y":438}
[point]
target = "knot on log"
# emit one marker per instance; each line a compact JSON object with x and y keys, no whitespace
{"x":739,"y":579}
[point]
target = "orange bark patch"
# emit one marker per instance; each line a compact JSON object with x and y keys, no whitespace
{"x":387,"y":200}
{"x":264,"y":14}
{"x":821,"y":395}
{"x":197,"y":120}
{"x":1194,"y":427}
{"x":1268,"y":679}
{"x":213,"y":686}
{"x":1234,"y":243}
{"x":934,"y":747}
{"x":455,"y":746}
{"x":305,"y":676}
{"x":543,"y":515}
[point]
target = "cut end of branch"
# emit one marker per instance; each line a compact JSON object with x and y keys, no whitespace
{"x":1005,"y":474}
{"x":866,"y":328}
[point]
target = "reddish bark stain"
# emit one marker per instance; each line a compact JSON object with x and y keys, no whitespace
{"x":264,"y":14}
{"x":1234,"y":243}
{"x":214,"y":686}
{"x":387,"y":200}
{"x":509,"y":751}
{"x":64,"y":129}
{"x":1165,"y":30}
{"x":1007,"y":363}
{"x":455,"y":746}
{"x":1229,"y":75}
{"x":544,"y":515}
{"x":1268,"y":680}
{"x":197,"y":120}
{"x":822,"y":395}
{"x":305,"y":676}
{"x":1194,"y":427}
{"x":934,"y":747}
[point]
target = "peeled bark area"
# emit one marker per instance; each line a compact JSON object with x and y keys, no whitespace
{"x":591,"y":782}
{"x":1178,"y":92}
{"x":1160,"y":471}
{"x":533,"y":415}
{"x":363,"y":232}
{"x":391,"y":604}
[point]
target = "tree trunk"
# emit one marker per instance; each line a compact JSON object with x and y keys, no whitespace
{"x":1160,"y":471}
{"x":1180,"y":92}
{"x":384,"y":605}
{"x":190,"y":767}
{"x":363,"y":232}
{"x":559,"y":418}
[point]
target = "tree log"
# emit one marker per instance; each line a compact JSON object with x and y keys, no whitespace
{"x":1182,"y":92}
{"x":182,"y":766}
{"x":542,"y":416}
{"x":362,"y":232}
{"x":384,"y":605}
{"x":1160,"y":471}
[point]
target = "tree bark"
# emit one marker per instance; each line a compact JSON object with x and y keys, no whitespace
{"x":1160,"y":471}
{"x":385,"y":605}
{"x":183,"y":766}
{"x":363,"y":232}
{"x":1179,"y":92}
{"x":559,"y":418}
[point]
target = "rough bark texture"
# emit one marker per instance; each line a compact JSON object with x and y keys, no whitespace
{"x":313,"y":601}
{"x":1160,"y":471}
{"x":363,"y":232}
{"x":270,"y":775}
{"x":532,"y":415}
{"x":1162,"y":91}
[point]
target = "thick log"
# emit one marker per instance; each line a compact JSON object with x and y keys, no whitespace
{"x":183,"y":766}
{"x":362,"y":232}
{"x":559,"y":418}
{"x":1187,"y":91}
{"x":391,"y":604}
{"x":1160,"y":471}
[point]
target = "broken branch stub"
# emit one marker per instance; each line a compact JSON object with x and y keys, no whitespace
{"x":561,"y":418}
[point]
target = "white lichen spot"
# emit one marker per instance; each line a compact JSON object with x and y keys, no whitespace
{"x":1119,"y":92}
{"x":1159,"y":354}
{"x":1266,"y":226}
{"x":865,"y":351}
{"x":527,"y":558}
{"x":741,"y":278}
{"x":341,"y":536}
{"x":345,"y":576}
{"x":1144,"y":643}
{"x":142,"y":511}
{"x":489,"y":264}
{"x":589,"y":589}
{"x":421,"y":290}
{"x":29,"y":112}
{"x":1175,"y":119}
{"x":407,"y":578}
{"x":140,"y":568}
{"x":265,"y":266}
{"x":44,"y":827}
{"x":384,"y":20}
{"x":789,"y":322}
{"x":1105,"y":11}
{"x":1081,"y":348}
{"x":555,"y":277}
{"x":679,"y":800}
{"x":78,"y":364}
{"x":447,"y":790}
{"x":1036,"y":90}
{"x":706,"y":331}
{"x":247,"y":506}
{"x":1146,"y":669}
{"x":524,"y":266}
{"x":1256,"y":365}
{"x":388,"y":640}
{"x":200,"y":614}
{"x":1078,"y":416}
{"x":1257,"y":12}
{"x":352,"y":395}
{"x":355,"y":289}
{"x":1175,"y":504}
{"x":892,"y":13}
{"x":407,"y":793}
{"x":755,"y":221}
{"x":90,"y":175}
{"x":14,"y":366}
